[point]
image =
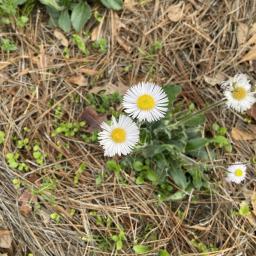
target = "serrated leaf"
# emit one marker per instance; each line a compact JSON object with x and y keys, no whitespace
{"x":172,"y":92}
{"x":81,"y":13}
{"x":64,"y":21}
{"x":141,"y":249}
{"x":116,"y":5}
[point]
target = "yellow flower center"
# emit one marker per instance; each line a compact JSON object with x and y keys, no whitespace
{"x":239,"y":172}
{"x":118,"y":135}
{"x":239,"y":93}
{"x":146,"y":102}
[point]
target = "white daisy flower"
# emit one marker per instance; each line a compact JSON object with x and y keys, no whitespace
{"x":238,"y":93}
{"x":120,"y":137}
{"x":236,"y":173}
{"x":146,"y":101}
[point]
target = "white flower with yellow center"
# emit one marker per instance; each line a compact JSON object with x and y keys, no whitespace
{"x":236,"y":173}
{"x":146,"y":101}
{"x":119,"y":137}
{"x":238,"y":93}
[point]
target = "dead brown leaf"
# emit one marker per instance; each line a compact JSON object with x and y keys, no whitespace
{"x":242,"y":134}
{"x":252,"y":112}
{"x":60,"y":36}
{"x":4,"y":78}
{"x":96,"y":33}
{"x":252,"y":40}
{"x":124,"y":44}
{"x":88,"y":71}
{"x":251,"y":55}
{"x":217,"y":79}
{"x":92,"y":119}
{"x":109,"y":88}
{"x":34,"y":178}
{"x":129,"y":4}
{"x":252,"y":29}
{"x":4,"y":64}
{"x":42,"y":60}
{"x":242,"y":33}
{"x":25,"y":201}
{"x":78,"y":79}
{"x":175,"y":11}
{"x":5,"y":239}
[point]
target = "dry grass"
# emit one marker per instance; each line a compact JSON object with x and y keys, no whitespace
{"x":201,"y":45}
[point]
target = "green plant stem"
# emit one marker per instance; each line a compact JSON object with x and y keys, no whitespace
{"x":186,"y":118}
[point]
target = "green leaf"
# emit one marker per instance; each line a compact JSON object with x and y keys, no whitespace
{"x":163,"y":253}
{"x":80,"y":15}
{"x":197,"y":177}
{"x":64,"y":21}
{"x":179,"y":177}
{"x":2,"y":137}
{"x":138,"y":165}
{"x":113,"y":4}
{"x":172,"y":92}
{"x":119,"y":244}
{"x":151,"y":175}
{"x":196,"y":144}
{"x":177,"y":196}
{"x":112,"y":165}
{"x":244,"y":209}
{"x":221,"y":140}
{"x":195,"y":121}
{"x":20,"y":2}
{"x":140,"y":180}
{"x":78,"y":40}
{"x":53,"y":4}
{"x":140,"y":249}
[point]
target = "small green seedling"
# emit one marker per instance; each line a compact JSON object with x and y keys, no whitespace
{"x":244,"y":209}
{"x":38,"y":155}
{"x":46,"y":190}
{"x":22,"y":21}
{"x":112,"y":165}
{"x":220,"y":137}
{"x":155,"y":47}
{"x":78,"y":173}
{"x":2,"y":137}
{"x":68,"y":129}
{"x":80,"y":43}
{"x":13,"y":162}
{"x":16,"y":183}
{"x":203,"y":248}
{"x":22,"y":143}
{"x":118,"y":239}
{"x":55,"y":217}
{"x":101,"y":44}
{"x":141,"y":249}
{"x":7,"y":45}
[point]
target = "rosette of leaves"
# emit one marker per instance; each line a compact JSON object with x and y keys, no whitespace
{"x":68,"y":14}
{"x":172,"y":151}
